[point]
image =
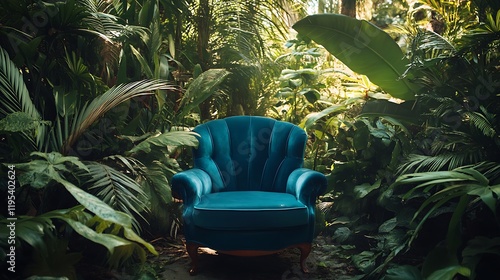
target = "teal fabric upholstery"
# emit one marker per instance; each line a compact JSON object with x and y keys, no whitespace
{"x":247,"y":189}
{"x":249,"y":210}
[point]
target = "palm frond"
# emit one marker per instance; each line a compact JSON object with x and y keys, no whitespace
{"x":154,"y":181}
{"x":91,"y":112}
{"x":439,"y":162}
{"x":429,"y":40}
{"x":117,"y":190}
{"x":482,"y":121}
{"x":15,"y":97}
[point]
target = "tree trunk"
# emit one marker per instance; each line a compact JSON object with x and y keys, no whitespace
{"x":348,"y":8}
{"x":203,"y":26}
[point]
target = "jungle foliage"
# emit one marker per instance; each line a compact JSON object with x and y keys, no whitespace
{"x":417,"y":179}
{"x":98,"y":99}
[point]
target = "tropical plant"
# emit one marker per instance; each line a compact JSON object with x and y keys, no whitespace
{"x":468,"y":189}
{"x":364,"y":48}
{"x":451,"y":80}
{"x":78,"y":128}
{"x":299,"y":84}
{"x":45,"y":174}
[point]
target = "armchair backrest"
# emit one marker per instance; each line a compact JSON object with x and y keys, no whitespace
{"x":249,"y":153}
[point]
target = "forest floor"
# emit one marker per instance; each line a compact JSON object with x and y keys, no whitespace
{"x":173,"y":263}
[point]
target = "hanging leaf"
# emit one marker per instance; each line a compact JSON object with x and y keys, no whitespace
{"x":364,"y":48}
{"x":312,"y":118}
{"x":200,"y":89}
{"x":171,"y":138}
{"x":388,"y":226}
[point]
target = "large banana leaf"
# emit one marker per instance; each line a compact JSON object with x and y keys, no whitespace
{"x":407,"y":112}
{"x":364,"y":48}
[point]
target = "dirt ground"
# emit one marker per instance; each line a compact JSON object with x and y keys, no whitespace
{"x":174,"y":263}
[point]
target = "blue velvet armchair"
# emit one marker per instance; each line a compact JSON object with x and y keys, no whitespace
{"x":247,"y":193}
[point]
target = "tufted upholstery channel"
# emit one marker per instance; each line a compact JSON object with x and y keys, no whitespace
{"x":249,"y":153}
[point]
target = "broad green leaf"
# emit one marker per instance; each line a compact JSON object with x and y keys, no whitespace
{"x":145,"y":67}
{"x":406,"y":272}
{"x":131,"y":235}
{"x":40,"y":172}
{"x":364,"y":48}
{"x":388,"y":225}
{"x":36,"y":173}
{"x":312,"y":118}
{"x":341,"y":234}
{"x":364,"y":189}
{"x":449,"y":273}
{"x":487,"y":196}
{"x":109,"y":241}
{"x":365,"y":261}
{"x":95,"y":205}
{"x":171,"y":138}
{"x":200,"y":89}
{"x":146,"y":13}
{"x":478,"y":176}
{"x":310,"y":94}
{"x":29,"y":229}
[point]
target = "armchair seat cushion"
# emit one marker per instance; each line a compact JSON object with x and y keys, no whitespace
{"x":249,"y":210}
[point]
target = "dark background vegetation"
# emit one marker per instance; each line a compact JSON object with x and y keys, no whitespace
{"x":98,"y":99}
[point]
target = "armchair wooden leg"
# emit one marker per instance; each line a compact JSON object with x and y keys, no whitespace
{"x":192,"y":250}
{"x":305,"y":250}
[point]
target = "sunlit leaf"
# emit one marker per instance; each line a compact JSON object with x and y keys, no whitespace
{"x":171,"y":138}
{"x":364,"y":48}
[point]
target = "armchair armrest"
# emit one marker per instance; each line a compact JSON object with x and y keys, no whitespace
{"x":306,"y":185}
{"x":190,"y":185}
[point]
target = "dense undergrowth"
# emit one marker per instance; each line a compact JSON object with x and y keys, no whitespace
{"x":98,"y":98}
